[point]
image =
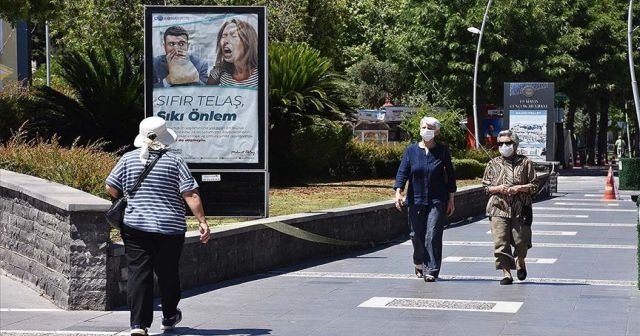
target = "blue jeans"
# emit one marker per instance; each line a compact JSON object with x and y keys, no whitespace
{"x":426,"y":225}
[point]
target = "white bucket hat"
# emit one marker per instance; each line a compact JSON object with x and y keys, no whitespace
{"x":155,"y":129}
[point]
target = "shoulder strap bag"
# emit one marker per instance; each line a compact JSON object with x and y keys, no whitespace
{"x":115,"y":214}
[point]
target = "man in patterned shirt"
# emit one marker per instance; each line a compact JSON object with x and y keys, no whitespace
{"x":510,"y":180}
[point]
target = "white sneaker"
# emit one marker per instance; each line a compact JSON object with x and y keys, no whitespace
{"x":139,"y":331}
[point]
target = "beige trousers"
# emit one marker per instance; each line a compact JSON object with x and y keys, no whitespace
{"x":507,"y":232}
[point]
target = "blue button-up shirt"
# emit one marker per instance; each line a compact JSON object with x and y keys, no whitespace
{"x":430,"y":174}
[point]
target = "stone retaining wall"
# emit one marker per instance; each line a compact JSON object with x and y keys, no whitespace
{"x":52,"y":237}
{"x":55,"y":239}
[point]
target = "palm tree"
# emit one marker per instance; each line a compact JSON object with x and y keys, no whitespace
{"x":302,"y":90}
{"x":107,"y":99}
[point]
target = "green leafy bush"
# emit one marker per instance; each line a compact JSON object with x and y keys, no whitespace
{"x":16,"y":107}
{"x":450,"y":131}
{"x":103,"y":99}
{"x":370,"y":160}
{"x":367,"y":160}
{"x":630,"y":174}
{"x":318,"y":148}
{"x":480,"y":155}
{"x":302,"y":90}
{"x":82,"y":167}
{"x":468,"y":168}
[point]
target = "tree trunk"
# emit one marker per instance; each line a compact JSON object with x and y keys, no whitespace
{"x":603,"y":125}
{"x":280,"y":152}
{"x":592,"y":113}
{"x":571,"y":121}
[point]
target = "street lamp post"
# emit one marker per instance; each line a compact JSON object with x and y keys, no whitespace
{"x":475,"y":72}
{"x":634,"y":83}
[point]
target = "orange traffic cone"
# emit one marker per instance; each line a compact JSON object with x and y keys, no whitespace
{"x":609,"y":188}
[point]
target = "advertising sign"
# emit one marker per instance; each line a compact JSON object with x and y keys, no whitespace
{"x":529,"y":112}
{"x":205,"y":75}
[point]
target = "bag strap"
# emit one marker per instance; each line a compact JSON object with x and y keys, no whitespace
{"x":144,"y":173}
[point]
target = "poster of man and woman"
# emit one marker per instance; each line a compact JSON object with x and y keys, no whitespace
{"x":202,"y":69}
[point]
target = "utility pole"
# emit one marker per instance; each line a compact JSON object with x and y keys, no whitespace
{"x":475,"y":76}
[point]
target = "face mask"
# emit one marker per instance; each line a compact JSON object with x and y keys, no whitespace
{"x":506,"y":150}
{"x":427,"y":134}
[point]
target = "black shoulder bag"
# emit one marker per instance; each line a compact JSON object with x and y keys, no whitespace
{"x":115,"y":214}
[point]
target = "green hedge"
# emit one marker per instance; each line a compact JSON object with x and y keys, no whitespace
{"x":369,"y":160}
{"x":317,"y":148}
{"x":630,"y":174}
{"x":468,"y":168}
{"x":481,"y":155}
{"x":16,"y":107}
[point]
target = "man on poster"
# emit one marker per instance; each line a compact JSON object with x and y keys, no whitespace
{"x":177,"y":67}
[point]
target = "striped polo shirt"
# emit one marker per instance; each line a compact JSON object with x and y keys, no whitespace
{"x":227,"y":80}
{"x":157,"y":205}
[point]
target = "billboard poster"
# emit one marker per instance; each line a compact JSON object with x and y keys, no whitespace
{"x":205,"y":75}
{"x":528,"y":111}
{"x":491,"y":127}
{"x":531,"y":127}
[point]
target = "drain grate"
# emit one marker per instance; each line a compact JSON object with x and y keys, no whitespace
{"x":443,"y":304}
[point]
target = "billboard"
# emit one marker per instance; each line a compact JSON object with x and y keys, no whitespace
{"x":529,"y":112}
{"x":206,"y":75}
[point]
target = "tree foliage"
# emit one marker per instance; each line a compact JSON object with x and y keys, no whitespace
{"x":302,"y":91}
{"x":106,"y":101}
{"x":376,"y":80}
{"x":450,"y":131}
{"x":33,"y":10}
{"x":418,"y":51}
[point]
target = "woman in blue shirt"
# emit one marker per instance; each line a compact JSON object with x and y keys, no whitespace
{"x":432,"y":184}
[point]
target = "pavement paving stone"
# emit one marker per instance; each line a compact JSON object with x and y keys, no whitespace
{"x":321,"y":300}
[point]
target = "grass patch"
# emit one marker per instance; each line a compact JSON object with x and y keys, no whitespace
{"x":318,"y":196}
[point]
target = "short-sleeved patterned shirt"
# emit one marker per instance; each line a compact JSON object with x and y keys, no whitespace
{"x":157,"y":205}
{"x":509,"y":171}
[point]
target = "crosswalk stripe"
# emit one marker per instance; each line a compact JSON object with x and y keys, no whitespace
{"x":536,"y":223}
{"x":550,"y":233}
{"x":560,"y":216}
{"x":587,"y":204}
{"x":584,"y":209}
{"x":396,"y":276}
{"x":590,"y":200}
{"x":488,"y":243}
{"x":492,"y":259}
{"x":30,"y":310}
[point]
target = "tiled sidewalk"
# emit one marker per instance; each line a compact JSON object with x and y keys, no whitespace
{"x":582,"y":281}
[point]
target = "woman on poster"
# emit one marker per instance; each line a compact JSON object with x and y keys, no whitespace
{"x":237,"y":55}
